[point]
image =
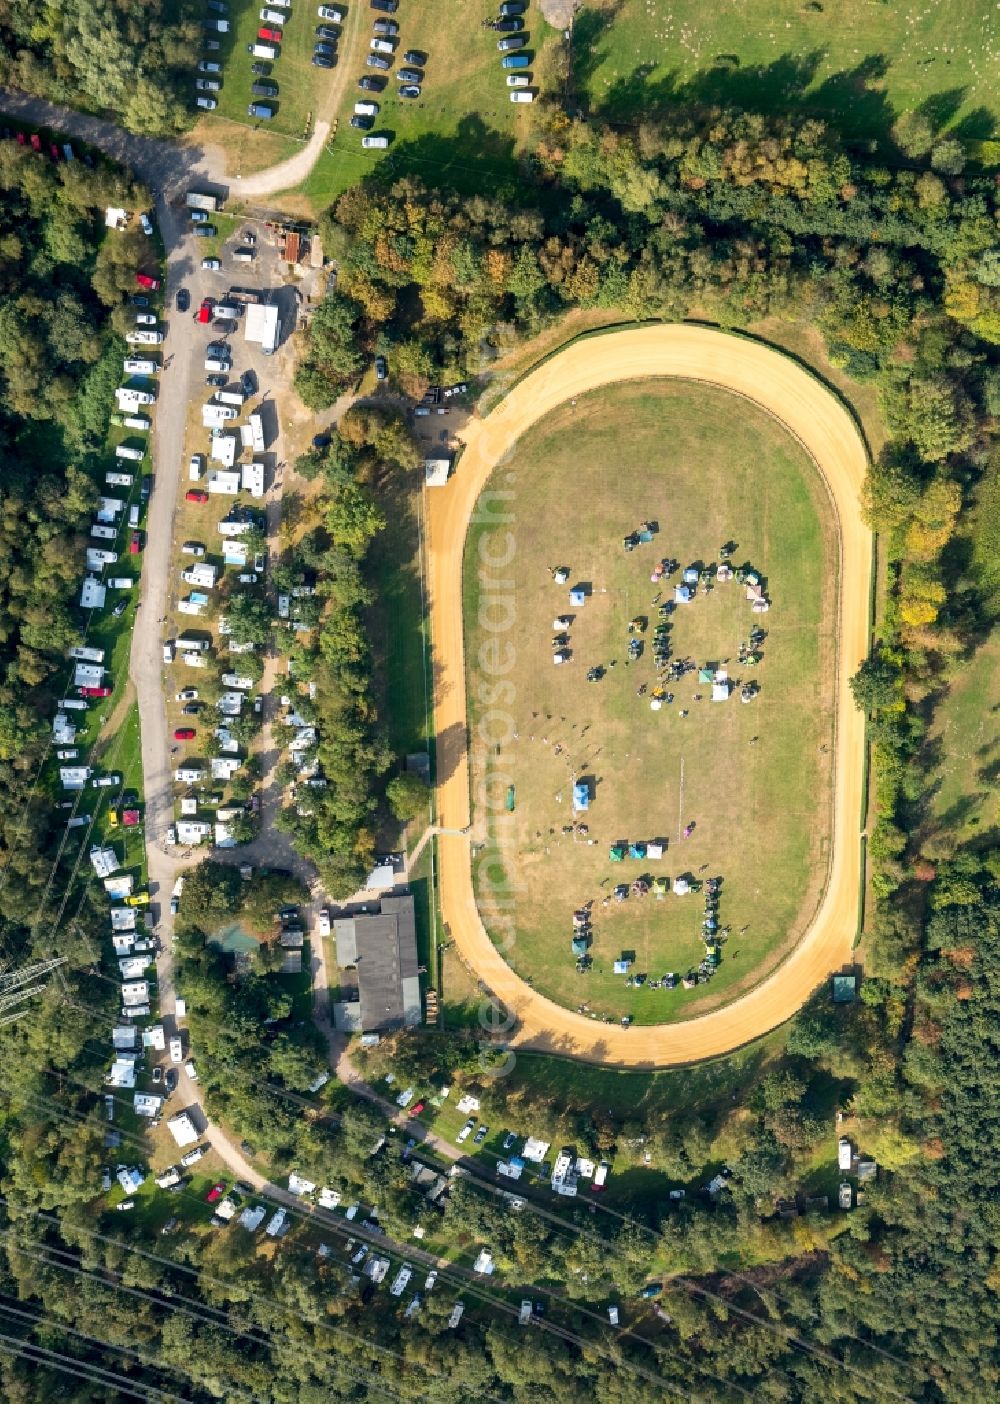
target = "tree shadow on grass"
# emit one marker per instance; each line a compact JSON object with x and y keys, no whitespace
{"x":475,"y":159}
{"x":851,"y":100}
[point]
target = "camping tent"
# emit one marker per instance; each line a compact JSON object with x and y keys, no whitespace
{"x":682,"y":595}
{"x":681,"y":886}
{"x":654,"y":850}
{"x":637,"y":850}
{"x":581,"y":795}
{"x":617,"y":853}
{"x":579,"y":945}
{"x":621,"y":967}
{"x":577,"y":598}
{"x":661,"y":886}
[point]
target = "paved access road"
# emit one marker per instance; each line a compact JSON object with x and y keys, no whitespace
{"x":825,"y":428}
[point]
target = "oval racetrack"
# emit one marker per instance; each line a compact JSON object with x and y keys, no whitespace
{"x":825,"y":428}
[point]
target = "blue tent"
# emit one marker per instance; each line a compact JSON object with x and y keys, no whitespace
{"x":578,"y":598}
{"x":581,"y":796}
{"x":637,"y":850}
{"x":579,"y":945}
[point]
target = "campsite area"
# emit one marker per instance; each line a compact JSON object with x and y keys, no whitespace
{"x":750,"y":783}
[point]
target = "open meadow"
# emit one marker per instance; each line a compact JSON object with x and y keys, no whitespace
{"x":855,"y":62}
{"x":704,"y":468}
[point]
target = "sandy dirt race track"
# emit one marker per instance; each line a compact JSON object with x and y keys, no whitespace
{"x":827,"y":431}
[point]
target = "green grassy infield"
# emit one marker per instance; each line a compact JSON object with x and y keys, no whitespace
{"x":706,"y":468}
{"x":463,"y":130}
{"x":965,"y":734}
{"x":852,"y":61}
{"x":300,"y":85}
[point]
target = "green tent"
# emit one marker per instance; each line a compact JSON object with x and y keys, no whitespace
{"x":617,"y":853}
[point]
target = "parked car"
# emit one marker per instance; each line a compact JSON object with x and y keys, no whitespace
{"x":518,"y":80}
{"x":383,"y":64}
{"x":217,"y":381}
{"x":368,"y":84}
{"x":193,"y":548}
{"x":514,"y":41}
{"x":509,"y":1139}
{"x":248,"y":383}
{"x":327,"y":12}
{"x":415,"y":56}
{"x":322,"y":61}
{"x":326,"y":31}
{"x":507,"y":26}
{"x":157,"y":1074}
{"x":216,"y":1192}
{"x":514,"y":61}
{"x":480,"y":1135}
{"x":381,"y":368}
{"x":387,"y":28}
{"x":207,"y":66}
{"x":323,"y":922}
{"x":146,"y":223}
{"x":269,"y":36}
{"x":522,"y":95}
{"x":195,"y":495}
{"x":409,"y":91}
{"x":409,"y":75}
{"x":207,"y":104}
{"x":183,"y":300}
{"x":261,"y":70}
{"x":184,"y":733}
{"x":416,"y":1109}
{"x":187,"y":694}
{"x":207,"y":85}
{"x":361,"y":124}
{"x":192,"y":1073}
{"x":175,"y":905}
{"x":381,"y":46}
{"x":388,"y":7}
{"x":211,"y":265}
{"x":170,"y":1080}
{"x":264,"y":90}
{"x":325,"y":51}
{"x":193,"y":1156}
{"x":191,"y":709}
{"x":512,"y":7}
{"x":366,"y":108}
{"x":134,"y":543}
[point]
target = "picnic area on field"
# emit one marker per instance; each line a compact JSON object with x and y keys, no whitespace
{"x":649,"y":643}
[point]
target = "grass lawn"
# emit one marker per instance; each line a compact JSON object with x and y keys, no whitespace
{"x":300,"y":85}
{"x":462,"y":131}
{"x":397,"y":625}
{"x":854,"y":62}
{"x":965,"y":733}
{"x":712,"y":469}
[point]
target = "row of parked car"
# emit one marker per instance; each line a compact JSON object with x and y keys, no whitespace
{"x":511,"y":25}
{"x":382,"y":55}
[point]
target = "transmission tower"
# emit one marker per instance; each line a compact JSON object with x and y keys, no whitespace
{"x":16,"y":986}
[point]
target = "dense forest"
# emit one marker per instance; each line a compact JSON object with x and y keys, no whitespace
{"x":132,"y":58}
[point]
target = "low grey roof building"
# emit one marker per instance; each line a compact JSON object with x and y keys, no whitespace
{"x":382,"y":949}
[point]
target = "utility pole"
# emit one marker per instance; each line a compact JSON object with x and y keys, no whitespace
{"x":16,"y":986}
